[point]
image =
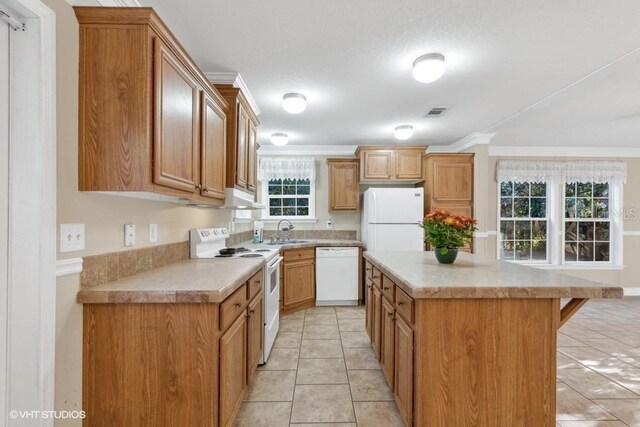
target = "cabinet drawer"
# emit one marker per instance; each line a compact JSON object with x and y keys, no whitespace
{"x":404,"y":305}
{"x":368,"y":270}
{"x":376,"y":277}
{"x":232,"y":307}
{"x":388,"y":288}
{"x":255,"y":285}
{"x":297,"y":254}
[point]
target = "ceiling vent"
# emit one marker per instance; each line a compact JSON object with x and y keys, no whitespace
{"x":437,"y":112}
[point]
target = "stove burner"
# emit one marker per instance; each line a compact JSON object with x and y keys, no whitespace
{"x":262,"y":250}
{"x":224,"y":255}
{"x":252,"y":256}
{"x":239,"y":250}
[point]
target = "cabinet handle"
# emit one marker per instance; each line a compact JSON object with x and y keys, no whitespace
{"x":198,"y":187}
{"x":205,"y":189}
{"x":400,"y":302}
{"x":248,"y":316}
{"x":369,"y":286}
{"x":390,"y":314}
{"x":252,"y":311}
{"x":376,"y":277}
{"x":238,"y":305}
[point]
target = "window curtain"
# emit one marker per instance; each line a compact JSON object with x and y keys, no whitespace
{"x":287,"y":168}
{"x":569,"y":171}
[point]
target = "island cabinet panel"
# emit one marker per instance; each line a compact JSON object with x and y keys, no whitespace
{"x":255,"y":335}
{"x":213,"y":137}
{"x":403,"y":372}
{"x":377,"y":321}
{"x":387,"y":332}
{"x":344,"y":189}
{"x":492,"y":362}
{"x":369,"y":305}
{"x":233,"y":370}
{"x":150,"y":364}
{"x":298,"y":285}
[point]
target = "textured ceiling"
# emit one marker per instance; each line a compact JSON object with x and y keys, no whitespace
{"x":352,"y":59}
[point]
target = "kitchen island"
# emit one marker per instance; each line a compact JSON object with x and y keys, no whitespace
{"x":471,"y":343}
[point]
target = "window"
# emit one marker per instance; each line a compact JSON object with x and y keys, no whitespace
{"x":289,"y":198}
{"x":587,"y":224}
{"x":523,"y":221}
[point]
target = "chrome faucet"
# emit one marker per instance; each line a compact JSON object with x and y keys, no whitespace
{"x":286,"y":230}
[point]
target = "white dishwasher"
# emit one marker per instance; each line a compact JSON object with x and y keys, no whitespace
{"x":337,"y":276}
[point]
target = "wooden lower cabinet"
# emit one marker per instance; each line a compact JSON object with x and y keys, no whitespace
{"x":369,"y":308}
{"x":233,"y":369}
{"x":403,"y":372}
{"x":387,"y":341}
{"x":377,"y":320}
{"x":255,"y":335}
{"x":298,"y":281}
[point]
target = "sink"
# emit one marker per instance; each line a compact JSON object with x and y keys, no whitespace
{"x":292,"y":241}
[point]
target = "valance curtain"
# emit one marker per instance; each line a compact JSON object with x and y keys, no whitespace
{"x":287,"y":168}
{"x":568,"y":171}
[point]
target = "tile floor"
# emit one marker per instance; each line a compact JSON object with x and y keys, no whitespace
{"x":323,"y":373}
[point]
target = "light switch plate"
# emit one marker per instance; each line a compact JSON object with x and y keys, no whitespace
{"x":129,"y":234}
{"x":71,"y":237}
{"x":153,"y":233}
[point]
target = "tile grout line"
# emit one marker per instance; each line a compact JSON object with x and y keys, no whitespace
{"x":295,"y":380}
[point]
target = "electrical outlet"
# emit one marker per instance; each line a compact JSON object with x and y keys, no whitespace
{"x":71,"y":237}
{"x":153,"y":233}
{"x":329,"y":224}
{"x":129,"y":234}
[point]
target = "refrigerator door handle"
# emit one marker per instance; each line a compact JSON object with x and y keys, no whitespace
{"x":373,"y":206}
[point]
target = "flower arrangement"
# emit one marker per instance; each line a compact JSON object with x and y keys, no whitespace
{"x":445,"y":231}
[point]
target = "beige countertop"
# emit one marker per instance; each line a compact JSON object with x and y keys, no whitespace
{"x":421,"y":276}
{"x":195,"y":280}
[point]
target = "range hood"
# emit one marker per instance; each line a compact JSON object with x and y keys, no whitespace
{"x":239,"y":200}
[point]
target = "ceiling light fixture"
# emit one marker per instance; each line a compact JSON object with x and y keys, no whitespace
{"x":294,"y":103}
{"x":404,"y":132}
{"x":279,"y":139}
{"x":429,"y":68}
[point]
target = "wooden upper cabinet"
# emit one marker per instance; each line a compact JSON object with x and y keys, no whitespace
{"x":344,"y":190}
{"x":213,"y":138}
{"x":380,"y":164}
{"x":176,"y":145}
{"x":242,"y":135}
{"x":141,"y":124}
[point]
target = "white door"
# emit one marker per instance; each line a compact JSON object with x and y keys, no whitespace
{"x":396,"y":205}
{"x":395,"y":237}
{"x":4,"y":201}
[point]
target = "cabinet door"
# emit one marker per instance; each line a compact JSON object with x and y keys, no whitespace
{"x":344,"y":191}
{"x":242,"y":147}
{"x":255,"y":337}
{"x":176,"y":143}
{"x":369,"y":306}
{"x":252,"y":156}
{"x":403,"y":388}
{"x":233,"y":368}
{"x":452,"y":181}
{"x":299,"y":283}
{"x":213,"y":137}
{"x":377,"y":321}
{"x":377,"y":165}
{"x":408,"y":164}
{"x":387,"y":342}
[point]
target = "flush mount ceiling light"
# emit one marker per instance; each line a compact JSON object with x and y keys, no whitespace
{"x":279,"y":139}
{"x":294,"y":103}
{"x":404,"y":132}
{"x":429,"y":68}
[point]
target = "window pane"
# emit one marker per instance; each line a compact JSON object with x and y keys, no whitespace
{"x":521,"y":207}
{"x":571,"y":231}
{"x":289,"y":211}
{"x":570,"y":208}
{"x":584,"y":208}
{"x":275,"y":202}
{"x":521,"y":189}
{"x":600,"y":190}
{"x":303,"y":182}
{"x":585,"y":231}
{"x":601,"y":208}
{"x":275,"y":182}
{"x":275,"y":211}
{"x":585,"y":251}
{"x":303,"y":211}
{"x":539,"y":250}
{"x":585,"y":189}
{"x":288,"y":182}
{"x":506,"y":230}
{"x":570,"y":190}
{"x":506,"y":189}
{"x":538,"y":208}
{"x":288,"y":201}
{"x":506,"y":208}
{"x":304,"y":190}
{"x":602,"y":231}
{"x":539,"y":189}
{"x":506,"y":252}
{"x":570,"y":251}
{"x":523,"y":250}
{"x":523,"y":230}
{"x":539,"y":230}
{"x":602,"y":252}
{"x":275,"y":190}
{"x":289,"y":189}
{"x":301,"y":201}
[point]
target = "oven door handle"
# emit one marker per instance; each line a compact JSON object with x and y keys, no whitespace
{"x":275,"y":264}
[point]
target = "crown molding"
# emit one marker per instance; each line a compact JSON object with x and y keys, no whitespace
{"x":307,"y":150}
{"x":537,"y":151}
{"x":67,"y":267}
{"x":234,"y":79}
{"x":476,"y":138}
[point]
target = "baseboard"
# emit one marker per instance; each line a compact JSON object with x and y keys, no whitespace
{"x":632,"y":292}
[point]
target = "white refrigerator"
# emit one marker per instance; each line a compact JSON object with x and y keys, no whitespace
{"x":390,"y":219}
